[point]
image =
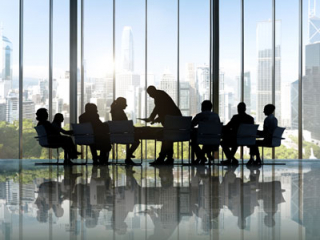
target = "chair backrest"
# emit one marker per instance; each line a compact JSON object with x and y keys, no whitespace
{"x":121,"y":132}
{"x":177,"y":128}
{"x":209,"y":133}
{"x":246,"y":135}
{"x":277,"y":136}
{"x":83,"y":134}
{"x":42,"y":136}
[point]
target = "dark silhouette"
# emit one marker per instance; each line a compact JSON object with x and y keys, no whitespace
{"x":165,"y":202}
{"x":118,"y":114}
{"x":269,"y":125}
{"x":206,"y":115}
{"x":230,"y":133}
{"x":101,"y":131}
{"x":56,"y":123}
{"x":164,"y":105}
{"x":54,"y":137}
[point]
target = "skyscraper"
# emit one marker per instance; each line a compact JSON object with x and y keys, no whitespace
{"x":168,"y":84}
{"x":127,"y":49}
{"x":247,"y":90}
{"x":313,"y":23}
{"x":264,"y":78}
{"x":294,"y":104}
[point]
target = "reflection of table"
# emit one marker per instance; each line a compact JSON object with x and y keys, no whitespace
{"x":149,"y":133}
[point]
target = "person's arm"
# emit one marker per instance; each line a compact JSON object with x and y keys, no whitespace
{"x":195,"y":121}
{"x":153,"y":115}
{"x":66,"y":132}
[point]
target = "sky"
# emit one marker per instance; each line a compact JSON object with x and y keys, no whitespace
{"x":162,"y":35}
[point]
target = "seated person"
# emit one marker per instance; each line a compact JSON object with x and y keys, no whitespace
{"x":101,"y":134}
{"x":54,"y":136}
{"x":269,"y":125}
{"x":230,"y":133}
{"x":56,"y":124}
{"x":206,"y":115}
{"x":118,"y":114}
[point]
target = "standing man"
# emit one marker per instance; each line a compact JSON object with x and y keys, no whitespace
{"x":164,"y":105}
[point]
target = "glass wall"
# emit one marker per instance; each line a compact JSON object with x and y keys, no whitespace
{"x":287,"y":60}
{"x":230,"y":61}
{"x":36,"y":72}
{"x":311,"y":80}
{"x":98,"y":55}
{"x":162,"y":47}
{"x":194,"y":55}
{"x":173,"y":55}
{"x":9,"y":79}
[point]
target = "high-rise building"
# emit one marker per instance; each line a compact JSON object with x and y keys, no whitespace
{"x":313,"y":23}
{"x":127,"y":49}
{"x":168,"y":84}
{"x":311,"y":90}
{"x":3,"y":107}
{"x":264,"y":80}
{"x":294,"y":104}
{"x":5,"y":57}
{"x":191,"y":79}
{"x":12,"y":108}
{"x":28,"y":110}
{"x":310,"y":101}
{"x":247,"y":90}
{"x":203,"y":84}
{"x":185,"y":98}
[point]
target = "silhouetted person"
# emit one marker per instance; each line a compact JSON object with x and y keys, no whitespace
{"x":56,"y":123}
{"x":269,"y":125}
{"x":206,"y":115}
{"x":118,"y":114}
{"x":54,"y":136}
{"x":101,"y":134}
{"x":230,"y":133}
{"x":164,"y":105}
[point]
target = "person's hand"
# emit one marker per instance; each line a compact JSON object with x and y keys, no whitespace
{"x":155,"y":121}
{"x":148,"y":119}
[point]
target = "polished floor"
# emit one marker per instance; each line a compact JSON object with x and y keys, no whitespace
{"x":114,"y":202}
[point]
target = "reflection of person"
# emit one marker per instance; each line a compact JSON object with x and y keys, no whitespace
{"x":164,"y":105}
{"x":271,"y":194}
{"x":54,"y":136}
{"x":118,"y":114}
{"x":230,"y":133}
{"x":101,"y":131}
{"x":269,"y":125}
{"x":206,"y":115}
{"x":165,"y":219}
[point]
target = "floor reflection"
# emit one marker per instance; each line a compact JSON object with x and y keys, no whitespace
{"x":274,"y":202}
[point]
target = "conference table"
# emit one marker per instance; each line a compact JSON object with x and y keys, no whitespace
{"x":149,"y":133}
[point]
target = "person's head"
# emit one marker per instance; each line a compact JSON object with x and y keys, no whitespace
{"x":58,"y":118}
{"x":242,"y":107}
{"x":87,"y":107}
{"x":121,"y":102}
{"x":242,"y":223}
{"x":58,"y":210}
{"x":269,"y":109}
{"x":206,"y":105}
{"x":151,"y":90}
{"x":42,"y":114}
{"x":91,"y":108}
{"x":269,"y":220}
